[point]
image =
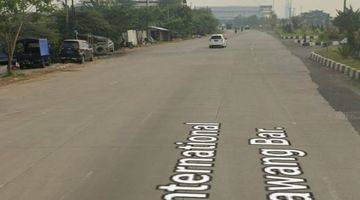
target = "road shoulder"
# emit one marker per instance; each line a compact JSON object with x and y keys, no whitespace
{"x":341,"y":92}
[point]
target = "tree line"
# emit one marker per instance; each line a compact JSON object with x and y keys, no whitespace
{"x":346,"y":24}
{"x":110,"y":18}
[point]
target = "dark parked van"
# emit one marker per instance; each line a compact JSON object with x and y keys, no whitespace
{"x":76,"y":50}
{"x":32,"y":52}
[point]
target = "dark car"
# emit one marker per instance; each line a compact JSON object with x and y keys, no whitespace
{"x":4,"y":58}
{"x":76,"y":50}
{"x":31,"y":52}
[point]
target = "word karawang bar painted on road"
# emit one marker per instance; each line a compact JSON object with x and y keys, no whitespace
{"x":193,"y":172}
{"x":281,"y":166}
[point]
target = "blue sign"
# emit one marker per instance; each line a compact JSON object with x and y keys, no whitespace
{"x":44,"y":47}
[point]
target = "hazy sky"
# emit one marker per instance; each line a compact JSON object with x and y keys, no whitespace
{"x":329,"y":6}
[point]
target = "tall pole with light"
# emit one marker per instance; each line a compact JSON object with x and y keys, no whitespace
{"x":345,"y":5}
{"x":66,"y":9}
{"x":274,"y":6}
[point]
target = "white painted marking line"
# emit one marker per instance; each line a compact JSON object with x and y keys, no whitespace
{"x":193,"y":172}
{"x":281,"y":166}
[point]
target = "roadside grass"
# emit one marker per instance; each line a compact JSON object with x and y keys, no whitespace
{"x":333,"y":53}
{"x":13,"y":74}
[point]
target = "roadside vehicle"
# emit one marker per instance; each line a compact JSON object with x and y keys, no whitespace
{"x":101,"y":45}
{"x":3,"y":56}
{"x":4,"y":59}
{"x":30,"y":52}
{"x":76,"y":50}
{"x":247,"y":27}
{"x":217,"y":40}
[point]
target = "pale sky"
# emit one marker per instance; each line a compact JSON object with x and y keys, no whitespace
{"x":329,"y":6}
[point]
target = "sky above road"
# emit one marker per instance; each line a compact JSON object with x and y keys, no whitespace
{"x":329,"y":6}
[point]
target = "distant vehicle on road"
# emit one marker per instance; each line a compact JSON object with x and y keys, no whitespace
{"x":217,"y":40}
{"x":247,"y":27}
{"x":76,"y":50}
{"x":32,"y":52}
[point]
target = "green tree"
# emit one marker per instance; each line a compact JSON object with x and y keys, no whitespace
{"x":179,"y":21}
{"x":204,"y":22}
{"x":348,"y":22}
{"x":91,"y":21}
{"x":13,"y":15}
{"x":43,"y":26}
{"x":272,"y":21}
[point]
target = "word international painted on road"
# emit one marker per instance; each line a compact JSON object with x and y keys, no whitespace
{"x":193,"y":172}
{"x":281,"y":167}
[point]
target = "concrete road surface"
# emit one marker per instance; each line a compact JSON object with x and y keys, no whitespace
{"x":108,"y":131}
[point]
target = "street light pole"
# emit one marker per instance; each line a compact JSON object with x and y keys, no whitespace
{"x":345,"y":5}
{"x":147,"y":20}
{"x":290,"y":9}
{"x":66,"y":18}
{"x":274,"y":6}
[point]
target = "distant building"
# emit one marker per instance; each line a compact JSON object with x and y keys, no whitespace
{"x":317,"y":18}
{"x":137,"y":3}
{"x":266,"y":11}
{"x":229,"y":13}
{"x":144,"y":3}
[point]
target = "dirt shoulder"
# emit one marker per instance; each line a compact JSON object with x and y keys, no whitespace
{"x":29,"y":74}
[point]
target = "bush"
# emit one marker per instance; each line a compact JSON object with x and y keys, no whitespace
{"x":348,"y":23}
{"x":204,"y":22}
{"x":344,"y":50}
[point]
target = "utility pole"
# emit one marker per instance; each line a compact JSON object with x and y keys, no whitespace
{"x":147,"y":20}
{"x":73,"y":18}
{"x":274,"y":6}
{"x":345,"y":5}
{"x":66,"y":8}
{"x":288,"y":8}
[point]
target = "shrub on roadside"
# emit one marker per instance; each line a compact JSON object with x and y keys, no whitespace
{"x":348,"y":22}
{"x":344,"y":50}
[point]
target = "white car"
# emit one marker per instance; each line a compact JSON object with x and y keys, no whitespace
{"x":217,"y":40}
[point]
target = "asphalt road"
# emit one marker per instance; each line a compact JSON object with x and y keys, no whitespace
{"x":108,"y":131}
{"x":342,"y":92}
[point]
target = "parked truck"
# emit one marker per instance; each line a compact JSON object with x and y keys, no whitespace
{"x":32,"y":52}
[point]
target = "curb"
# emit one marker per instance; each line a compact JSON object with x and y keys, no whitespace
{"x":307,"y":37}
{"x":326,"y":62}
